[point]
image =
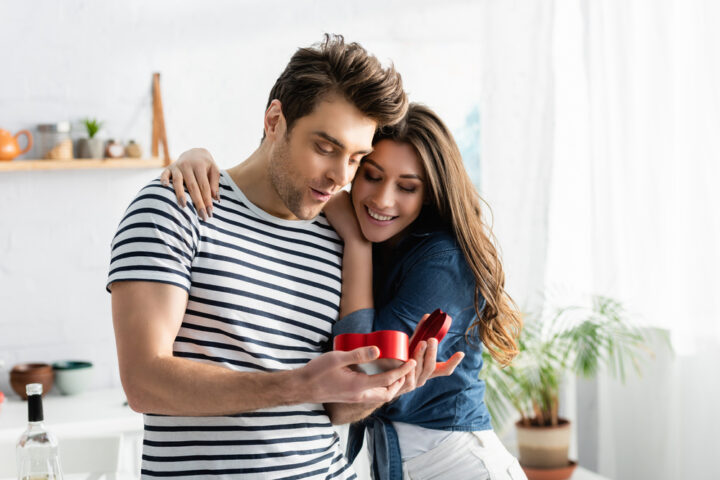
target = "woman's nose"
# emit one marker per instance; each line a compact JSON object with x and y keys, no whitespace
{"x":383,"y":197}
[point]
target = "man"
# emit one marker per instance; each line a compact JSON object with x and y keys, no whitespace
{"x":221,"y":320}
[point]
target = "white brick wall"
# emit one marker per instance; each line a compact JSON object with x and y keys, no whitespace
{"x":77,"y":58}
{"x":218,"y":60}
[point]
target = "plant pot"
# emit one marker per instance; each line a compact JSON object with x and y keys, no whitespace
{"x":544,"y":447}
{"x":561,"y":473}
{"x":91,"y":148}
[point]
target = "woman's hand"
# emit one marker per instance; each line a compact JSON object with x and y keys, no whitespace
{"x":341,"y":215}
{"x":427,"y":367}
{"x":200,"y":174}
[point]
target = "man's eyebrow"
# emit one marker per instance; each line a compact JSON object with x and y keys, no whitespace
{"x":337,"y":142}
{"x":407,"y":175}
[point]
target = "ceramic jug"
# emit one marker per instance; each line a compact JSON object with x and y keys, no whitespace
{"x":9,"y":147}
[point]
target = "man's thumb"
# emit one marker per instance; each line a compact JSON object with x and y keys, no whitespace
{"x":362,"y":355}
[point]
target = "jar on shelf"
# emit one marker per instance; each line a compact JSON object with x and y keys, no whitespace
{"x":54,"y":141}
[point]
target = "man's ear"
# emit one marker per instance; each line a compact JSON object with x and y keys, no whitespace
{"x":274,"y":120}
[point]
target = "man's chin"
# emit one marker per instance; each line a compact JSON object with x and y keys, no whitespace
{"x":308,"y":213}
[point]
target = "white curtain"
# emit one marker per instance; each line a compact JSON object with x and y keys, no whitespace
{"x":634,"y":214}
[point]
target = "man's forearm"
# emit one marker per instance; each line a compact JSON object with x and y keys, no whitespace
{"x":342,"y":413}
{"x":177,"y":386}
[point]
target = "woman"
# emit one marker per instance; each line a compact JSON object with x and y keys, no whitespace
{"x":415,"y":241}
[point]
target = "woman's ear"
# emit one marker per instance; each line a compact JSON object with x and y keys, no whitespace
{"x":274,"y":121}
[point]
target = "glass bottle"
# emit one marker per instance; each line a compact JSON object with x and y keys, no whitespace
{"x":37,"y":449}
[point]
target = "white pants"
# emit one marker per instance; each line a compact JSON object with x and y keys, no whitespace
{"x":472,"y":456}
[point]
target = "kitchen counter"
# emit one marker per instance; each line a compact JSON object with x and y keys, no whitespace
{"x":99,"y":411}
{"x":97,"y":419}
{"x":99,"y":414}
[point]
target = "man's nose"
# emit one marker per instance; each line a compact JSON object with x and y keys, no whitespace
{"x":342,"y":173}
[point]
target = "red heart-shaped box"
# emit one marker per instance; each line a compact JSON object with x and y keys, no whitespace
{"x":393,"y":344}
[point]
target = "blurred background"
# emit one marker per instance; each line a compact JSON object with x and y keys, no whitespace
{"x":590,"y":128}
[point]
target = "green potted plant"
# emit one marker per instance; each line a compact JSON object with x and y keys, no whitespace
{"x":91,"y":147}
{"x":577,"y":340}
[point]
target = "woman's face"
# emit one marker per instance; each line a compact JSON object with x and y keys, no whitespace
{"x":389,"y":190}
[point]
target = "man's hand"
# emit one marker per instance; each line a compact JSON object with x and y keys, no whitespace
{"x":330,"y":378}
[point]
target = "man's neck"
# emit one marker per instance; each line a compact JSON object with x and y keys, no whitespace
{"x":253,"y":177}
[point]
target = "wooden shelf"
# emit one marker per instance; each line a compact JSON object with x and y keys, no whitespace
{"x":81,"y":164}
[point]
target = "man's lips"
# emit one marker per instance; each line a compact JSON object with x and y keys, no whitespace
{"x":321,"y":195}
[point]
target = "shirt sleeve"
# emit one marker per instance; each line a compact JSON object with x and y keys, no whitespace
{"x":156,"y":240}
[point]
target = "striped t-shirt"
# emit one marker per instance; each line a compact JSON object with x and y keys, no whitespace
{"x":263,"y":295}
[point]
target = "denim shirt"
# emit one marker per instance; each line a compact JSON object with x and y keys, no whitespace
{"x":426,"y":271}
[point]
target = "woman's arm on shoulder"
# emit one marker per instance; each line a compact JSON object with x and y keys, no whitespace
{"x":197,"y":171}
{"x":357,"y":270}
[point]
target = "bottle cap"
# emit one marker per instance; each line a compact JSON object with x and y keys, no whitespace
{"x":33,"y":389}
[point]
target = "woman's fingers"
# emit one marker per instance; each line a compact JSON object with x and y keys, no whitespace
{"x":422,"y":320}
{"x":429,"y":360}
{"x":196,"y":196}
{"x":178,"y":186}
{"x":215,"y":182}
{"x":206,"y":201}
{"x":444,"y":369}
{"x":165,"y":177}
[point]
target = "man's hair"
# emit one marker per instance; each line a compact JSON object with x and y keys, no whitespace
{"x":345,"y":69}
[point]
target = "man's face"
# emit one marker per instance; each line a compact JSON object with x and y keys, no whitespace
{"x":319,"y":156}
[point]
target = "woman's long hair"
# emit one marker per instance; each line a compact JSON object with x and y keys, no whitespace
{"x":454,"y":199}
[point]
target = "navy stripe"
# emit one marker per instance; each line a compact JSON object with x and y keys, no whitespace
{"x":260,"y":313}
{"x":293,"y":413}
{"x":315,"y":472}
{"x":266,"y":299}
{"x":158,"y":241}
{"x":286,"y":413}
{"x":304,"y":475}
{"x":252,"y":216}
{"x":345,"y":467}
{"x":154,"y":211}
{"x":272,"y":246}
{"x":234,"y":443}
{"x":173,"y":203}
{"x":253,"y":326}
{"x":237,"y":348}
{"x":155,"y":226}
{"x":150,"y":255}
{"x":230,"y":471}
{"x":261,"y":283}
{"x":241,"y":338}
{"x":233,"y":428}
{"x":304,"y":281}
{"x":151,"y":268}
{"x":154,"y":280}
{"x":236,"y":456}
{"x":230,"y":361}
{"x":273,"y":259}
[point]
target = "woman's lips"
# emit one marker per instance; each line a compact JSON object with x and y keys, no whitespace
{"x":388,"y":219}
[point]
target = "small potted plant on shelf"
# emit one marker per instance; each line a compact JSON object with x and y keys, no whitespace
{"x":91,"y":147}
{"x":578,"y":340}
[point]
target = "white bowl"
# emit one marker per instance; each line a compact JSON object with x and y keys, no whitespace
{"x":72,"y":378}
